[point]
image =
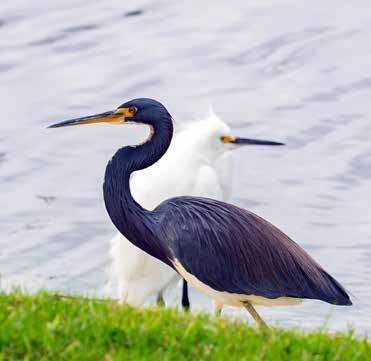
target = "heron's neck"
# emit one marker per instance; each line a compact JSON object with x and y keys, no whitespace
{"x":133,"y":221}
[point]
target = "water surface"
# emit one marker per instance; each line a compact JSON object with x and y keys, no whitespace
{"x":285,"y":70}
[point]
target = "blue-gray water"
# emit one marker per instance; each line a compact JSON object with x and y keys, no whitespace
{"x":295,"y":71}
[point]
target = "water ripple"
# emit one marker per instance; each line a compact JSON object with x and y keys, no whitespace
{"x":282,"y":70}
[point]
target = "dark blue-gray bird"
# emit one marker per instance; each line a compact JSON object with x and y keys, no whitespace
{"x":227,"y":252}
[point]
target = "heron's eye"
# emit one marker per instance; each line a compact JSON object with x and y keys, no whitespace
{"x":132,"y":110}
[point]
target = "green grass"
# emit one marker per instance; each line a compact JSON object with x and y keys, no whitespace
{"x":46,"y":327}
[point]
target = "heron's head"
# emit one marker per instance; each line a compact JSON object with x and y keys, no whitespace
{"x":139,"y":111}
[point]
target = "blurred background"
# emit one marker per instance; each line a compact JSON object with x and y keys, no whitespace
{"x":286,"y":70}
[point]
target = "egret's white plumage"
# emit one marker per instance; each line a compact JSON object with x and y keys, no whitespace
{"x":198,"y":164}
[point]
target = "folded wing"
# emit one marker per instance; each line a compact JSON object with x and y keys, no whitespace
{"x":233,"y":250}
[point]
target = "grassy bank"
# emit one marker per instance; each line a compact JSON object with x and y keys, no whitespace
{"x":45,"y":327}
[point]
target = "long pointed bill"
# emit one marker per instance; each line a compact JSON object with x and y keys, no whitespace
{"x":113,"y":117}
{"x":247,"y":141}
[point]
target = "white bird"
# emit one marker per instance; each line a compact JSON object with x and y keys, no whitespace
{"x":198,"y":163}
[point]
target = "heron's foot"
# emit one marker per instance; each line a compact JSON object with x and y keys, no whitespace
{"x":160,"y":299}
{"x":218,"y":307}
{"x":249,"y":307}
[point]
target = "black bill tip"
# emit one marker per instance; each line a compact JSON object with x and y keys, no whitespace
{"x":249,"y":141}
{"x":107,"y":117}
{"x":61,"y":124}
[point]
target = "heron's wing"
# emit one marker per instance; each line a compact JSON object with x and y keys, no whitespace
{"x":231,"y":249}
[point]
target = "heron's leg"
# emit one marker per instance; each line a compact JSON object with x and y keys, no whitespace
{"x":249,"y":307}
{"x":160,"y":299}
{"x":185,"y":299}
{"x":218,"y":308}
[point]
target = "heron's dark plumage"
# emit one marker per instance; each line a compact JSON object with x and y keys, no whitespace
{"x":231,"y":249}
{"x":226,"y":247}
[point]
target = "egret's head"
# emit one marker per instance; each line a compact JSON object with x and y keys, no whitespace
{"x":140,"y":111}
{"x":214,"y":136}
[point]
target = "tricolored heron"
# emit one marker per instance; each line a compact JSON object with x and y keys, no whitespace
{"x":200,"y":165}
{"x":227,"y":252}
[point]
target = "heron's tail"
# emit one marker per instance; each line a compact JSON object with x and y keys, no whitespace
{"x":335,"y":293}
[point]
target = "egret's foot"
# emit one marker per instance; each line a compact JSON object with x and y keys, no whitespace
{"x":121,"y":301}
{"x":185,"y":298}
{"x":160,"y":300}
{"x":249,"y":307}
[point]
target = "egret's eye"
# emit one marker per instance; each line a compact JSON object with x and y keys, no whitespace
{"x":132,"y":110}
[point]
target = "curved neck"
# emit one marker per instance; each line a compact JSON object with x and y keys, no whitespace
{"x":133,"y":221}
{"x":133,"y":158}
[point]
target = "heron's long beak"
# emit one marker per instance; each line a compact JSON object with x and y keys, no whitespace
{"x":113,"y":117}
{"x":247,"y":141}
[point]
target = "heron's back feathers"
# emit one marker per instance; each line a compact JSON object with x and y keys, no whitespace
{"x":233,"y":250}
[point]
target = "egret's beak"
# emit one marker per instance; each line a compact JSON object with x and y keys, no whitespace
{"x":117,"y":116}
{"x":247,"y":141}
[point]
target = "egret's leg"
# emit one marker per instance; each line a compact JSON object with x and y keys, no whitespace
{"x":160,"y":299}
{"x":122,"y":291}
{"x":185,"y":299}
{"x":218,"y":308}
{"x":249,"y":307}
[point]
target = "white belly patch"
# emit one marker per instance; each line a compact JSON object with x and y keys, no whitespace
{"x":232,"y":299}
